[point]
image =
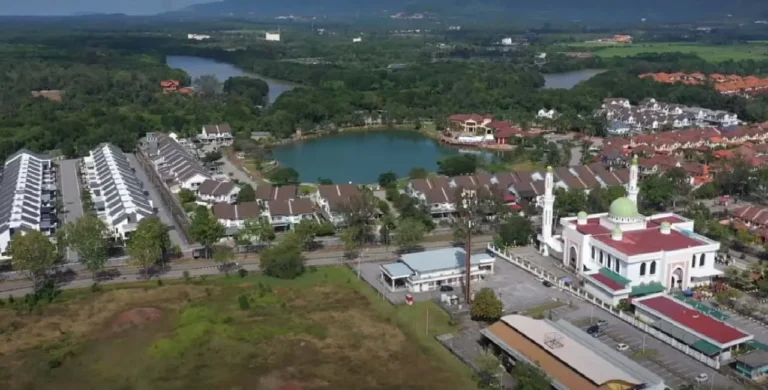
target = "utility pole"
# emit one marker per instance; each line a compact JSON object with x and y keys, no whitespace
{"x":644,"y":342}
{"x":426,"y":327}
{"x":469,"y":202}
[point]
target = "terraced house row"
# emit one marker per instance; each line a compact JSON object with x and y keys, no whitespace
{"x":516,"y":189}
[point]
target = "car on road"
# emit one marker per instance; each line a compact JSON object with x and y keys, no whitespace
{"x":621,"y":347}
{"x":593,"y":329}
{"x":701,"y":378}
{"x":446,"y":288}
{"x":546,"y":283}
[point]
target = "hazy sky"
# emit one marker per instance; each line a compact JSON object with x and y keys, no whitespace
{"x":68,"y":7}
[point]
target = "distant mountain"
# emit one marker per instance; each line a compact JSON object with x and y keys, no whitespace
{"x":587,"y":10}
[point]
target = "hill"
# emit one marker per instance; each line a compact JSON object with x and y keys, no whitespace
{"x":586,"y":10}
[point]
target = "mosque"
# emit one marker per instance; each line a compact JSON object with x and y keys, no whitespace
{"x":623,"y":254}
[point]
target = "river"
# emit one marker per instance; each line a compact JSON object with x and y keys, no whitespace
{"x":198,"y":66}
{"x":359,"y":157}
{"x":568,"y":80}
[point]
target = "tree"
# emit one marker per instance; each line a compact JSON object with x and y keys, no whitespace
{"x":208,"y":85}
{"x":530,"y":378}
{"x":516,"y":230}
{"x":486,"y":306}
{"x":358,"y":213}
{"x":283,"y":260}
{"x":212,"y":157}
{"x":324,"y":181}
{"x":387,"y":179}
{"x":33,"y":254}
{"x":246,"y":194}
{"x":284,"y":176}
{"x":409,"y":234}
{"x":387,"y":225}
{"x":657,"y":191}
{"x":149,"y":242}
{"x":257,"y":230}
{"x":463,"y":164}
{"x":253,"y":89}
{"x":205,"y":229}
{"x":223,"y":255}
{"x":417,"y":173}
{"x":88,"y":237}
{"x":569,"y":202}
{"x":306,"y":231}
{"x":599,"y":199}
{"x":187,"y":196}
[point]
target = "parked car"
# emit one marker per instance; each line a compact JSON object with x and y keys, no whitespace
{"x":701,"y":378}
{"x":445,"y":288}
{"x":546,"y":283}
{"x":593,"y":329}
{"x":602,"y":323}
{"x":597,"y":334}
{"x":621,"y":347}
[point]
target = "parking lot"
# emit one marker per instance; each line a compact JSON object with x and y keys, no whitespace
{"x":521,"y":291}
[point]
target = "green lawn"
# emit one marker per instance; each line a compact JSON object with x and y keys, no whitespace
{"x":325,"y":329}
{"x":713,"y":53}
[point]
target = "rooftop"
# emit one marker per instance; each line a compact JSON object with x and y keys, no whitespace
{"x":441,"y":259}
{"x":567,"y":354}
{"x":692,"y":319}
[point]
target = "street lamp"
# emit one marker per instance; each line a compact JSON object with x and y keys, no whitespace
{"x":468,"y":203}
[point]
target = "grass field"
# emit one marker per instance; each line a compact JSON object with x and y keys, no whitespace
{"x":713,"y":53}
{"x":324,"y":330}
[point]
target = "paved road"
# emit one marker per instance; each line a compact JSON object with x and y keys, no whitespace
{"x":82,"y":278}
{"x":227,"y":167}
{"x":162,"y":211}
{"x":70,"y":194}
{"x":575,"y":157}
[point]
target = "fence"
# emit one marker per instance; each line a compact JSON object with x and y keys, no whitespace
{"x":177,"y":212}
{"x":582,"y":294}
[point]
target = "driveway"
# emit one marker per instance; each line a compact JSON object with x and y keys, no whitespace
{"x":232,"y":171}
{"x":70,"y":196}
{"x":162,"y":210}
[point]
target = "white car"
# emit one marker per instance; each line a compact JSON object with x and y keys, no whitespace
{"x":621,"y":347}
{"x":701,"y":378}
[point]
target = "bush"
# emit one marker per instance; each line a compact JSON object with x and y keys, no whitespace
{"x":95,"y":288}
{"x":326,"y":229}
{"x":242,"y":272}
{"x":185,"y":274}
{"x":486,"y":306}
{"x":242,"y":302}
{"x":312,"y":269}
{"x":159,"y":282}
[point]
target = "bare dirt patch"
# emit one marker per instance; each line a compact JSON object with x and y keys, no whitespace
{"x":136,"y":318}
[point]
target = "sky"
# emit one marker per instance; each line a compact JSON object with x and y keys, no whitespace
{"x":69,"y":7}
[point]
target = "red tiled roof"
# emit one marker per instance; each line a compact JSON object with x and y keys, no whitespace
{"x":637,"y":242}
{"x":672,"y":219}
{"x":607,"y":282}
{"x":693,"y":319}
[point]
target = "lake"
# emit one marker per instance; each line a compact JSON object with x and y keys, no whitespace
{"x":198,"y":66}
{"x":568,"y":80}
{"x":360,"y":157}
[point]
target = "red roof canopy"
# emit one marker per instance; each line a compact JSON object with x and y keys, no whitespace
{"x":693,"y":319}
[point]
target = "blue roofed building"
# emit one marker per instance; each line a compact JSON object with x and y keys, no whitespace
{"x":426,"y":271}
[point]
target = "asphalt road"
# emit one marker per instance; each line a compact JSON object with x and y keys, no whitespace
{"x":70,"y":194}
{"x":78,"y":277}
{"x":162,"y":211}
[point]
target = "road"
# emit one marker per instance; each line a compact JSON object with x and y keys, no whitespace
{"x":162,"y":211}
{"x":70,"y":194}
{"x":125,"y":274}
{"x":228,"y":168}
{"x":575,"y":156}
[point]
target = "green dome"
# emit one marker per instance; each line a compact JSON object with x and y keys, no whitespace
{"x":623,"y":208}
{"x":582,"y":214}
{"x":616,"y":230}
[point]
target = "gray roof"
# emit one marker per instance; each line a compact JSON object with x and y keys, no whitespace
{"x":175,"y":160}
{"x":120,"y":190}
{"x":397,"y":270}
{"x":441,"y":259}
{"x":21,"y":191}
{"x":754,"y":359}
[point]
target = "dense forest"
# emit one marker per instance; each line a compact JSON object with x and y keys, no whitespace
{"x":111,"y":84}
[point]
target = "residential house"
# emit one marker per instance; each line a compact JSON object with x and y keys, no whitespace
{"x":214,"y":191}
{"x":285,"y":214}
{"x":267,"y":192}
{"x":221,"y":134}
{"x":546,"y":114}
{"x":27,"y":194}
{"x":175,"y":164}
{"x":119,"y":198}
{"x":233,"y":216}
{"x":331,"y":199}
